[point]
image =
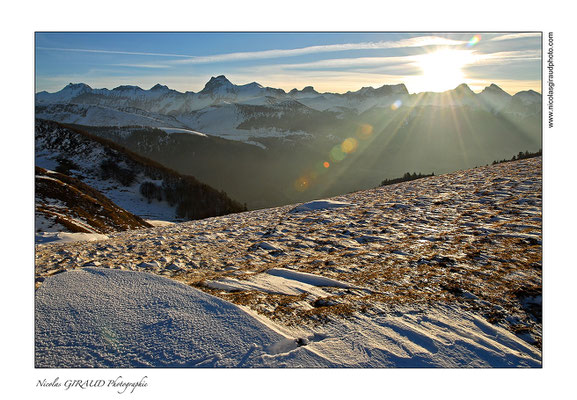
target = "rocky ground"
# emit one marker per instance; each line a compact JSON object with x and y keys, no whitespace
{"x":469,"y":239}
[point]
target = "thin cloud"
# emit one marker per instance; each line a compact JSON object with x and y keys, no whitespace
{"x":505,"y":56}
{"x":278,"y":53}
{"x":155,"y":66}
{"x":131,"y":53}
{"x":350,"y":62}
{"x":421,"y":41}
{"x":512,"y":36}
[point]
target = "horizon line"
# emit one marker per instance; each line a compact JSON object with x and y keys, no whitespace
{"x":321,"y":93}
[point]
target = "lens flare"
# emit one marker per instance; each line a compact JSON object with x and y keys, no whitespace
{"x":349,"y":145}
{"x":364,"y":131}
{"x":396,"y":104}
{"x":337,"y":154}
{"x":326,"y":164}
{"x":474,"y":40}
{"x":302,"y":184}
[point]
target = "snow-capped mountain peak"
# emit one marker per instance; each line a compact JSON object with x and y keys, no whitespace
{"x":399,"y":89}
{"x":218,"y":85}
{"x":75,"y":89}
{"x":385,"y":90}
{"x":77,"y":86}
{"x":307,"y":91}
{"x":464,"y":90}
{"x":158,"y":87}
{"x":127,"y":88}
{"x":219,"y":90}
{"x":494,"y":98}
{"x":528,"y":98}
{"x":494,"y":89}
{"x":529,"y":95}
{"x":253,"y":85}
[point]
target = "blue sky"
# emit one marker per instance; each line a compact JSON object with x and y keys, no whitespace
{"x":333,"y":62}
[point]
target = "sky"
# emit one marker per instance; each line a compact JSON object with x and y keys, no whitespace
{"x":331,"y":62}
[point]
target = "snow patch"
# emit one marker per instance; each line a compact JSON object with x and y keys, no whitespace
{"x":268,"y":284}
{"x":157,"y":222}
{"x":177,"y":130}
{"x":319,"y":205}
{"x":66,"y":237}
{"x":304,"y":277}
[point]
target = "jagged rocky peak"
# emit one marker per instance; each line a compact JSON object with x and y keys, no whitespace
{"x":217,"y":84}
{"x":158,"y":87}
{"x":77,"y":88}
{"x":365,"y":90}
{"x":528,"y":93}
{"x":306,"y":90}
{"x":392,"y":89}
{"x":127,"y":88}
{"x":531,"y":92}
{"x":494,"y":89}
{"x":528,"y":96}
{"x":220,"y":80}
{"x":255,"y":85}
{"x":464,"y":89}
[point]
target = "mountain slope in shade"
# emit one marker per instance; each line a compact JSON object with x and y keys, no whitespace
{"x":135,"y":183}
{"x":525,"y":102}
{"x":494,"y":98}
{"x":64,"y":204}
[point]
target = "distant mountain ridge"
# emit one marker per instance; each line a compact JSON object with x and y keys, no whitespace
{"x":170,"y":108}
{"x":230,"y":111}
{"x":161,"y":99}
{"x":222,"y":84}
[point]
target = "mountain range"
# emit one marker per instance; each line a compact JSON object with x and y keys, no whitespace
{"x":162,"y":100}
{"x":265,"y":147}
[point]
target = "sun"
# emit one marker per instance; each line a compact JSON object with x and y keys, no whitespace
{"x":442,"y":70}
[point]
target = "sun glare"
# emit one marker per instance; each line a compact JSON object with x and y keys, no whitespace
{"x":442,"y":70}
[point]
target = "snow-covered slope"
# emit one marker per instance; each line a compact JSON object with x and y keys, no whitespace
{"x":111,"y":318}
{"x":64,"y":204}
{"x":54,"y":143}
{"x":102,"y":318}
{"x":96,"y":115}
{"x":134,"y":183}
{"x":232,"y":121}
{"x":443,"y":271}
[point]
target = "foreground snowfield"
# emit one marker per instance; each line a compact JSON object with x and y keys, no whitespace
{"x":443,"y":271}
{"x":96,"y":317}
